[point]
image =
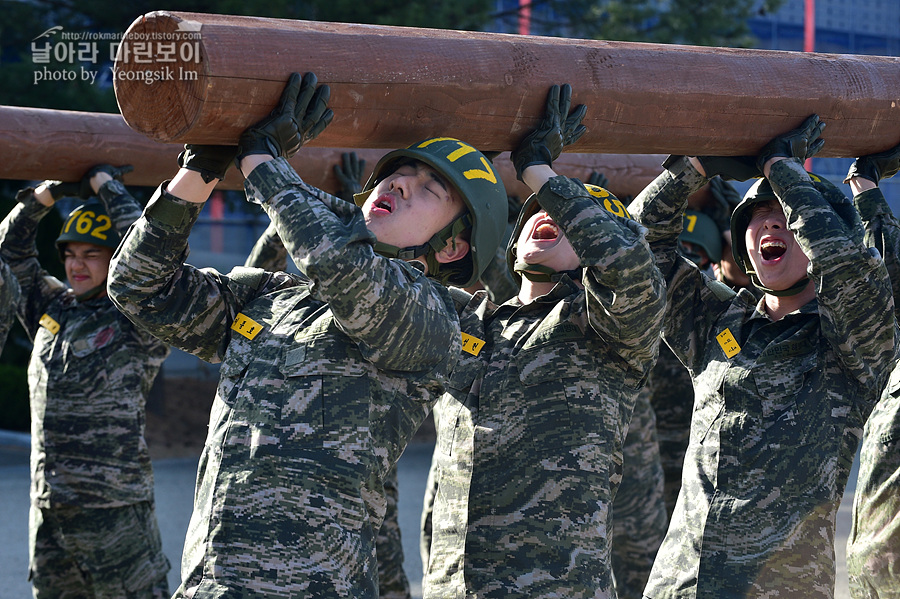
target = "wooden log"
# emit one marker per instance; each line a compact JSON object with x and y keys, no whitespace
{"x":39,"y":143}
{"x":189,"y":77}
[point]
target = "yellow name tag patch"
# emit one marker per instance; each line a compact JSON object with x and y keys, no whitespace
{"x":729,"y":343}
{"x":49,"y":324}
{"x":247,"y":327}
{"x":471,"y":345}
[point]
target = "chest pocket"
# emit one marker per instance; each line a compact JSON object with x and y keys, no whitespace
{"x":328,"y":394}
{"x":556,"y":396}
{"x":779,"y":382}
{"x":85,"y":352}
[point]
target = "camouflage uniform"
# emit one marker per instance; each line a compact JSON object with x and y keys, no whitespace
{"x":779,"y":405}
{"x":92,"y":520}
{"x":269,"y":253}
{"x":9,"y":299}
{"x":529,"y":446}
{"x":324,"y":380}
{"x":672,"y":397}
{"x":873,"y":548}
{"x":639,"y":510}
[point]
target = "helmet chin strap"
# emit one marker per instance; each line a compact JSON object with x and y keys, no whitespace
{"x":430,"y":248}
{"x":91,"y":293}
{"x":794,"y":289}
{"x":544,"y":274}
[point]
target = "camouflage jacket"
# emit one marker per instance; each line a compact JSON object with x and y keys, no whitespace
{"x":873,"y":547}
{"x":530,"y":432}
{"x":269,"y":253}
{"x":9,"y":299}
{"x":324,"y":380}
{"x":779,"y":405}
{"x":90,"y":373}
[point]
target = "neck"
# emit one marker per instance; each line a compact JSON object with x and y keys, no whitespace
{"x":777,"y":307}
{"x":530,"y":290}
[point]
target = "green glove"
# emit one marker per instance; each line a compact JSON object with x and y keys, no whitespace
{"x":557,"y":130}
{"x":733,"y":168}
{"x":63,"y":189}
{"x":800,"y":143}
{"x":211,"y":162}
{"x":300,"y":116}
{"x":876,"y":167}
{"x":349,"y":174}
{"x":725,"y":197}
{"x":116,"y":172}
{"x":598,"y":179}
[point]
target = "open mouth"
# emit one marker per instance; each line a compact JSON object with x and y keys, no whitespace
{"x":384,"y":202}
{"x":771,"y":250}
{"x":545,"y":230}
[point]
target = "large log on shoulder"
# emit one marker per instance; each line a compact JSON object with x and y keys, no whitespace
{"x":189,"y":77}
{"x":40,"y":143}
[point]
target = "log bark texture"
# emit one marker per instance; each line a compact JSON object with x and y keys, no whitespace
{"x":39,"y":143}
{"x":392,"y":86}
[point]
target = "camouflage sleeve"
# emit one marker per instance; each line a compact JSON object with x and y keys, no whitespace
{"x":9,"y":299}
{"x":882,"y":233}
{"x":18,"y":233}
{"x":694,"y":300}
{"x":856,"y":305}
{"x":123,"y":209}
{"x":399,"y":318}
{"x":392,"y":580}
{"x":624,"y":290}
{"x":660,"y":208}
{"x":268,"y":252}
{"x":187,"y":307}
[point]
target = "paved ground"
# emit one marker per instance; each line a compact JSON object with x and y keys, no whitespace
{"x":174,"y":489}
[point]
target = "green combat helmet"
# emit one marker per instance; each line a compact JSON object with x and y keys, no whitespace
{"x":482,"y":190}
{"x":760,"y":192}
{"x":700,"y":230}
{"x":89,"y":223}
{"x":601,"y":196}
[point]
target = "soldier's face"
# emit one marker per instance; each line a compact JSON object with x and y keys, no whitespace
{"x":86,"y":265}
{"x":410,"y":205}
{"x":543,"y":242}
{"x":776,"y":256}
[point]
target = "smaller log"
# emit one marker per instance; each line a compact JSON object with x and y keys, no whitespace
{"x":39,"y":143}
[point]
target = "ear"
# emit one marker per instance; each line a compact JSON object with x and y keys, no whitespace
{"x":453,"y":251}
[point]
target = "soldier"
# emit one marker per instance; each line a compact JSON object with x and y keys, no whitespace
{"x":700,"y":241}
{"x":530,"y":436}
{"x":9,"y":299}
{"x":325,"y":376}
{"x":782,"y":386}
{"x":873,"y":547}
{"x":92,"y":529}
{"x":726,"y":270}
{"x":269,"y":253}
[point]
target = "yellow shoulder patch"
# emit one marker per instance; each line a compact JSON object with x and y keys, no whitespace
{"x":48,"y":323}
{"x":247,"y":327}
{"x":729,"y":343}
{"x":471,"y":345}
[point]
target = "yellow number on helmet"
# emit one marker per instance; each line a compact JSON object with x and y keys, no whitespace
{"x":85,"y":222}
{"x":692,"y":222}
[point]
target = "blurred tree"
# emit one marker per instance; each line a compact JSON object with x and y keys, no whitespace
{"x":694,"y":22}
{"x":22,"y":22}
